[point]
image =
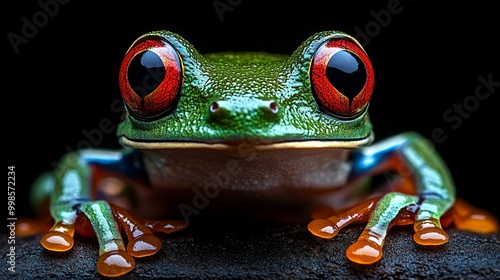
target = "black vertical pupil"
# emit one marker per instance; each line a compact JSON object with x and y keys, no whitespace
{"x":347,"y":73}
{"x":145,"y":73}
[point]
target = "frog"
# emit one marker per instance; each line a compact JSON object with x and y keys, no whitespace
{"x":250,"y":128}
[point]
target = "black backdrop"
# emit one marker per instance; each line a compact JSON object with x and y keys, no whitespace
{"x":60,"y":78}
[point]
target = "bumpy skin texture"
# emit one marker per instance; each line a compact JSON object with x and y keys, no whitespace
{"x":205,"y":107}
{"x":245,"y":78}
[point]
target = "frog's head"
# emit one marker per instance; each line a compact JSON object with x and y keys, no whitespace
{"x":316,"y":97}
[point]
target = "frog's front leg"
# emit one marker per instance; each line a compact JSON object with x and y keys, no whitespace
{"x":73,"y":196}
{"x":433,"y":193}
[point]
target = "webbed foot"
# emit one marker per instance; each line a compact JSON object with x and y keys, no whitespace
{"x":106,"y":222}
{"x":381,"y":214}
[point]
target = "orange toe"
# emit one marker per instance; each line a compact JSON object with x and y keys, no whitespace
{"x":431,"y":236}
{"x":57,"y":241}
{"x":364,"y":252}
{"x":115,"y":263}
{"x":323,"y":228}
{"x":144,"y":245}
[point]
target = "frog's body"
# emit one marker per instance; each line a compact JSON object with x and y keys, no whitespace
{"x":251,"y":125}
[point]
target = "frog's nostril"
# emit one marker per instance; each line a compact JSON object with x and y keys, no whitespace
{"x":273,"y":107}
{"x":240,"y":110}
{"x":214,"y":107}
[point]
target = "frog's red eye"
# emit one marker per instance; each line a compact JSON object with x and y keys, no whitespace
{"x":150,"y":78}
{"x":342,"y":77}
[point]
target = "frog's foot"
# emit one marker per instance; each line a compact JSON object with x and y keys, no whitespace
{"x":381,"y":214}
{"x":106,"y":222}
{"x":102,"y":220}
{"x":368,"y":248}
{"x":467,"y":217}
{"x":141,"y":242}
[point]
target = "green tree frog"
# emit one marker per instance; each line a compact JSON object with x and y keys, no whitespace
{"x":285,"y":133}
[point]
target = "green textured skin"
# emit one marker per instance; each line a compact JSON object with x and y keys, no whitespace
{"x":243,"y":81}
{"x":244,"y":85}
{"x":432,"y":178}
{"x":72,"y":185}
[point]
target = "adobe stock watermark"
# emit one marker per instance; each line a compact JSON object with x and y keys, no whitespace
{"x":455,"y":115}
{"x":94,"y":137}
{"x":381,"y":19}
{"x":223,"y":6}
{"x":31,"y":26}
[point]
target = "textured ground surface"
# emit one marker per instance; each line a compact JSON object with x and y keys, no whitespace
{"x":209,"y":251}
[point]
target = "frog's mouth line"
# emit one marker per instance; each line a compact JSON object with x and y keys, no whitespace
{"x":306,"y":144}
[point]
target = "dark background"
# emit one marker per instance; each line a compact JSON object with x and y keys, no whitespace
{"x":427,"y":58}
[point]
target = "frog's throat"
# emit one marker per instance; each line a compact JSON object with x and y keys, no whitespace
{"x":306,"y":144}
